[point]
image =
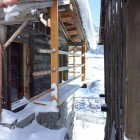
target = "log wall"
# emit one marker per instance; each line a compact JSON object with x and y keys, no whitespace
{"x":33,"y":38}
{"x":115,"y":67}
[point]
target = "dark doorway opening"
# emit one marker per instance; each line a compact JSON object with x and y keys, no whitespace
{"x":16,"y":72}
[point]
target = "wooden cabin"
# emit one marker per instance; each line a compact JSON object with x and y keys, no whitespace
{"x":120,"y":32}
{"x":38,"y":37}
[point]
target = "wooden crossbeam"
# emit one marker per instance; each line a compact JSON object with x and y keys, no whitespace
{"x":11,"y":39}
{"x":64,"y":29}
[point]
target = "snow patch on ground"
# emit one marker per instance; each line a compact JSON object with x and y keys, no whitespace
{"x":32,"y":132}
{"x":9,"y":117}
{"x":89,"y":120}
{"x":125,"y":138}
{"x":88,"y":131}
{"x":19,"y":103}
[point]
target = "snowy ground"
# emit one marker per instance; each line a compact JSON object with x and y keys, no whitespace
{"x":89,"y":120}
{"x":32,"y":132}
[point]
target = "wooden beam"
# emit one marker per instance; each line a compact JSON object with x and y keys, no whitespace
{"x":54,"y":44}
{"x":64,"y":29}
{"x":83,"y":61}
{"x":0,"y":78}
{"x":41,"y":95}
{"x":43,"y":72}
{"x":77,"y":20}
{"x":68,"y":19}
{"x":3,"y":67}
{"x":11,"y":39}
{"x":64,"y":13}
{"x":3,"y":35}
{"x":74,"y":60}
{"x":69,"y":67}
{"x":73,"y":32}
{"x":70,"y":80}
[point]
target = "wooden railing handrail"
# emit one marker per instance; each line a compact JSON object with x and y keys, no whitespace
{"x":60,"y":52}
{"x":43,"y":72}
{"x":70,"y":67}
{"x":68,"y":81}
{"x":41,"y":95}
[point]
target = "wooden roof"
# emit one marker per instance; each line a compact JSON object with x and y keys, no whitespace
{"x":69,"y":17}
{"x":69,"y":20}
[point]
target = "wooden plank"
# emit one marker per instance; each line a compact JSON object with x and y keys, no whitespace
{"x":54,"y":44}
{"x":39,"y":104}
{"x":70,"y":67}
{"x":0,"y":78}
{"x":64,"y":13}
{"x":76,"y":18}
{"x":83,"y":62}
{"x":70,"y":80}
{"x":67,"y":19}
{"x":3,"y":35}
{"x":41,"y":95}
{"x":64,"y":29}
{"x":132,"y":69}
{"x":11,"y":39}
{"x":74,"y":60}
{"x":43,"y":72}
{"x":73,"y":32}
{"x":9,"y":78}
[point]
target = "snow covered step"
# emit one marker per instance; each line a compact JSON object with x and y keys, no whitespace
{"x":67,"y":90}
{"x":64,"y":92}
{"x":41,"y":107}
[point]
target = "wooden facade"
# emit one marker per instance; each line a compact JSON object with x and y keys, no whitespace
{"x":35,"y":49}
{"x":120,"y":31}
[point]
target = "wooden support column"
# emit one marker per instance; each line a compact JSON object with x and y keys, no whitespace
{"x":132,"y":99}
{"x":3,"y":67}
{"x":0,"y":78}
{"x":84,"y":61}
{"x":54,"y":43}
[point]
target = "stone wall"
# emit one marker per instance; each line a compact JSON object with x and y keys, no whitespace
{"x":64,"y":118}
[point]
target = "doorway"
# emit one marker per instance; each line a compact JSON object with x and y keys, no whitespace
{"x":16,"y":69}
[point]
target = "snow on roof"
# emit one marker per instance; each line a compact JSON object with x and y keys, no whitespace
{"x":85,"y":12}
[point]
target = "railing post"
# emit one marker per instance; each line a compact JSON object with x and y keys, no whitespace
{"x":54,"y":44}
{"x":84,"y":61}
{"x":74,"y":63}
